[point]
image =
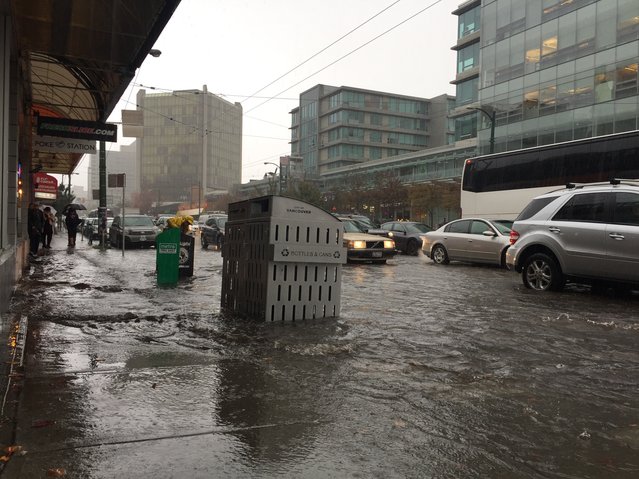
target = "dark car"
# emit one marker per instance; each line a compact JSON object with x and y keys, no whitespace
{"x":407,"y":235}
{"x":138,"y":230}
{"x":212,"y":231}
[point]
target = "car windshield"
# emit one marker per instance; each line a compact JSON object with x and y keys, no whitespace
{"x":352,"y":227}
{"x":503,"y":226}
{"x":138,"y":221}
{"x":417,"y":228}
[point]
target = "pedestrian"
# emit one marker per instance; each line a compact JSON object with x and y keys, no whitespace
{"x":35,"y":225}
{"x":72,"y":221}
{"x":49,"y":223}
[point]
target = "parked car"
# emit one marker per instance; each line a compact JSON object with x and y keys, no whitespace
{"x":213,"y":231}
{"x":364,"y":247}
{"x":473,"y":240}
{"x":90,"y":229}
{"x":138,"y":230}
{"x":586,"y":234}
{"x":364,"y":221}
{"x":407,"y":235}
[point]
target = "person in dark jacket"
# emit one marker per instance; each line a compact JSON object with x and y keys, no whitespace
{"x":49,"y":223}
{"x":35,"y":225}
{"x":72,"y":221}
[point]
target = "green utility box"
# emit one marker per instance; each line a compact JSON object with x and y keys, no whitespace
{"x":167,"y":256}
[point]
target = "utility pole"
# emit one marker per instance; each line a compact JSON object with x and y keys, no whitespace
{"x":102,"y":209}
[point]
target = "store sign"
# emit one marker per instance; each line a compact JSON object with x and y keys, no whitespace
{"x":84,"y":130}
{"x":45,"y":186}
{"x":51,"y":144}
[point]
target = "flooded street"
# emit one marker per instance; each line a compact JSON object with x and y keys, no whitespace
{"x":431,"y":371}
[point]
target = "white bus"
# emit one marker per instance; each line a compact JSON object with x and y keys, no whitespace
{"x":500,"y":185}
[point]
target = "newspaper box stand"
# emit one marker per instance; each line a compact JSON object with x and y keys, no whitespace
{"x":282,"y":260}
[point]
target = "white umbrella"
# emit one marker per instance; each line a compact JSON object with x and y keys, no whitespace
{"x":53,"y":210}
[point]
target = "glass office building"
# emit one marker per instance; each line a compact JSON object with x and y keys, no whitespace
{"x":555,"y":70}
{"x":336,"y":127}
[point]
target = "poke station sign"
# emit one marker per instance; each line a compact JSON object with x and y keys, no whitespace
{"x":45,"y":186}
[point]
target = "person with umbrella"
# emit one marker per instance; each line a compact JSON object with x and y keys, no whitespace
{"x":72,"y":221}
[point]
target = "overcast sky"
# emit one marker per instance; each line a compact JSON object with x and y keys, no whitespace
{"x":238,"y":47}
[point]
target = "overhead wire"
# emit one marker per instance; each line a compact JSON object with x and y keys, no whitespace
{"x":322,"y":50}
{"x":349,"y":53}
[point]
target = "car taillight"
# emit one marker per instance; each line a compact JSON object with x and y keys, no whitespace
{"x":514,"y":236}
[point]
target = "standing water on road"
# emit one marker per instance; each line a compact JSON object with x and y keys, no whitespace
{"x":431,"y":371}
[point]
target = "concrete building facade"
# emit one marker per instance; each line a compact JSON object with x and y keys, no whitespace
{"x":334,"y":127}
{"x":192,"y":142}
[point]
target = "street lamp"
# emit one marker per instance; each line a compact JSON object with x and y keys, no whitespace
{"x":491,"y":117}
{"x":279,"y":178}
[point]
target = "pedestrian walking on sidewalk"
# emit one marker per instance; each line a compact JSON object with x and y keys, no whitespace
{"x":35,"y":225}
{"x":49,"y":223}
{"x":72,"y":221}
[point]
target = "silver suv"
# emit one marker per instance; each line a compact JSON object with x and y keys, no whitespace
{"x":586,"y":233}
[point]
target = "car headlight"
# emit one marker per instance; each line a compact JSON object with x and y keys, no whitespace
{"x":389,"y":244}
{"x":390,"y":234}
{"x":130,"y":232}
{"x":358,"y":244}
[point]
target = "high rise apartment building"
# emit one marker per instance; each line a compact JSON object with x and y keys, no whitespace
{"x":335,"y":127}
{"x":550,"y":70}
{"x":192,"y":142}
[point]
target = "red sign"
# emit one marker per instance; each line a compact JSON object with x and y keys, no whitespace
{"x":45,"y":186}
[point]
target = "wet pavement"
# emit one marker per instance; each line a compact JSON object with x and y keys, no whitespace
{"x":431,"y":371}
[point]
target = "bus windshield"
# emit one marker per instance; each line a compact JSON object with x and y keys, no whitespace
{"x":500,"y":185}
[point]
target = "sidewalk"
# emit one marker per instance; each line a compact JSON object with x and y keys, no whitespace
{"x":87,"y":316}
{"x":14,"y":329}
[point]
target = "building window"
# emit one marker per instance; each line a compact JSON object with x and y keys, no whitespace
{"x":469,"y":22}
{"x":466,"y":92}
{"x":335,"y":101}
{"x":468,"y":57}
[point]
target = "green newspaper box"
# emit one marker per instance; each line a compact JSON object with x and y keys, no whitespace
{"x":167,"y":256}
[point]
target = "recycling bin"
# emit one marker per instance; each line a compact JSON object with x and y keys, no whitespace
{"x":167,"y":256}
{"x":282,"y":260}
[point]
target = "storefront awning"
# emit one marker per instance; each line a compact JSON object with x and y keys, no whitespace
{"x":80,"y":56}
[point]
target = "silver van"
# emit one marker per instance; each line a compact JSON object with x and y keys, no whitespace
{"x":587,"y":234}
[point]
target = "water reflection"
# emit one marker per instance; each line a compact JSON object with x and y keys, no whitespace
{"x":275,"y":397}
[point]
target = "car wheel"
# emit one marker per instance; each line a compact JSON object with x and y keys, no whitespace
{"x":412,"y":247}
{"x":542,"y":273}
{"x":439,"y":254}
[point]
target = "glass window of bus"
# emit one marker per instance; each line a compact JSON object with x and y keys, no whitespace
{"x":461,"y":226}
{"x":586,"y":207}
{"x":534,"y":207}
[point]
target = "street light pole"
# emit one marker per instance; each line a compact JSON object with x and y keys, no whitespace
{"x":491,"y":117}
{"x":279,"y":178}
